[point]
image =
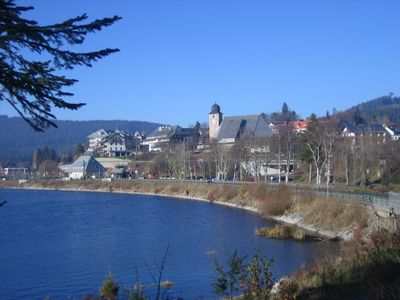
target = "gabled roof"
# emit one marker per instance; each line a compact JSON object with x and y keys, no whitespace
{"x":233,"y":128}
{"x":160,"y":132}
{"x":99,"y":133}
{"x":179,"y":131}
{"x":168,"y":132}
{"x":300,"y":124}
{"x":365,"y":128}
{"x":85,"y":163}
{"x":393,"y":128}
{"x":117,"y":137}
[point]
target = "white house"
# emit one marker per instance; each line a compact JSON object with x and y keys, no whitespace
{"x":86,"y":166}
{"x":157,"y":138}
{"x":164,"y":135}
{"x":96,"y":140}
{"x":118,"y":144}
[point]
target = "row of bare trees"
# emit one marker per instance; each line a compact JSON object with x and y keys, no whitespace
{"x":354,"y":160}
{"x":321,"y":151}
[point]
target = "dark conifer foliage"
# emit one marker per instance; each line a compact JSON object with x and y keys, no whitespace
{"x":286,"y":115}
{"x":33,"y":87}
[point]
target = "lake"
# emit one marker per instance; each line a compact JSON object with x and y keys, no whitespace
{"x":63,"y":244}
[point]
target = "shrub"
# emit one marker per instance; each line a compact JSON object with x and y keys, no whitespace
{"x":172,"y":188}
{"x":243,"y":189}
{"x":110,"y":288}
{"x":253,"y":278}
{"x":229,"y":193}
{"x":258,"y":191}
{"x":288,"y":290}
{"x":282,"y":231}
{"x":368,"y":270}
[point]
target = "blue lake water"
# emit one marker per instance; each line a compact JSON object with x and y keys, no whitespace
{"x":63,"y":244}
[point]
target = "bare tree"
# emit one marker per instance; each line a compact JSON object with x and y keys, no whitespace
{"x":221,"y":156}
{"x":287,"y":142}
{"x":329,"y":139}
{"x":176,"y":159}
{"x":344,"y":154}
{"x":240,"y":156}
{"x":260,"y":157}
{"x":320,"y":139}
{"x":367,"y":147}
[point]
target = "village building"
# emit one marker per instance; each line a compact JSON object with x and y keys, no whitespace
{"x":371,"y":130}
{"x":114,"y":143}
{"x":393,"y":131}
{"x":118,"y":144}
{"x":16,"y":173}
{"x":86,"y":166}
{"x":299,"y":126}
{"x":96,"y":140}
{"x":159,"y":137}
{"x":230,"y":130}
{"x":163,"y":136}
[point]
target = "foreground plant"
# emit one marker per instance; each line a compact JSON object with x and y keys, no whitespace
{"x":252,"y":279}
{"x":110,"y":288}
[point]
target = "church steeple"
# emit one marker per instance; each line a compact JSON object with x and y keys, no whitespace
{"x":214,"y":120}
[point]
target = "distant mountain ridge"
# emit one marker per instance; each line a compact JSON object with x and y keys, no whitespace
{"x":18,"y":140}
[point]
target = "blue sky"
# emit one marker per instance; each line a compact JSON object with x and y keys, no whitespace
{"x":179,"y":57}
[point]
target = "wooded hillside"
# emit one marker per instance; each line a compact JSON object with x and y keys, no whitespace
{"x":385,"y":109}
{"x":18,"y":140}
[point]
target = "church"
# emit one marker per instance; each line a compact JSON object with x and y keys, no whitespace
{"x":230,"y":130}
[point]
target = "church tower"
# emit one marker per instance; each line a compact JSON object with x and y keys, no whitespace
{"x":214,"y":120}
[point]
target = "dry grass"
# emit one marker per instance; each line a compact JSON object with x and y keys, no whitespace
{"x":273,"y":202}
{"x":332,"y":214}
{"x":361,"y":271}
{"x":282,"y":231}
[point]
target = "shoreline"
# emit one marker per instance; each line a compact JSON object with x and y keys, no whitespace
{"x":233,"y":205}
{"x":282,"y":219}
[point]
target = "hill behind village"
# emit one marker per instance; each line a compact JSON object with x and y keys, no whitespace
{"x":18,"y":141}
{"x":382,"y":110}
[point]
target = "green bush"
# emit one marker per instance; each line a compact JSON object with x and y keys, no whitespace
{"x":110,"y":288}
{"x":252,"y":279}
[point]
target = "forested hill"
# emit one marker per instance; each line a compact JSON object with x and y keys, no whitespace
{"x":18,"y":140}
{"x":381,"y":110}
